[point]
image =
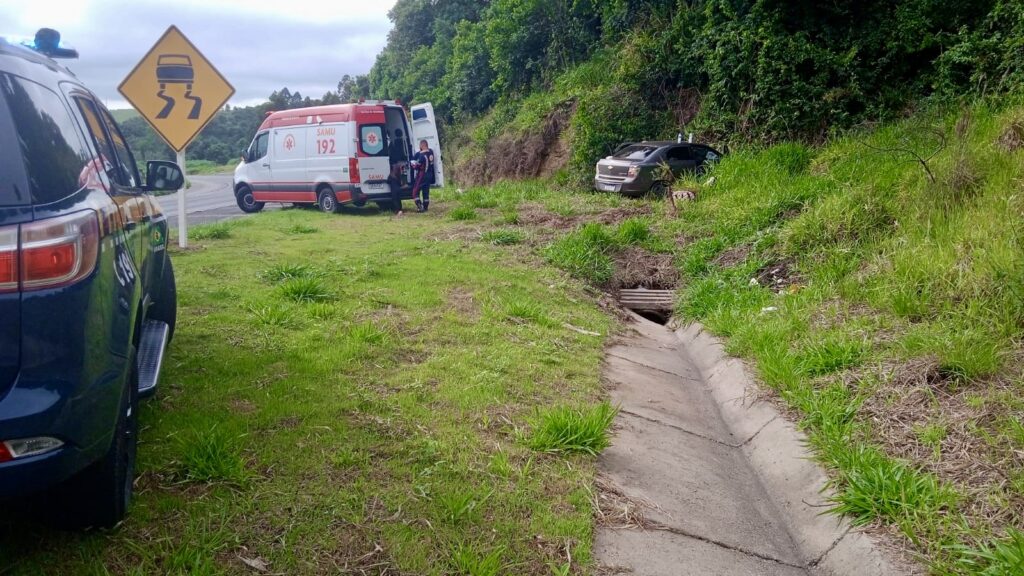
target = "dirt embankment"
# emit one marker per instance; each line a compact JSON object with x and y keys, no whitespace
{"x":537,"y":153}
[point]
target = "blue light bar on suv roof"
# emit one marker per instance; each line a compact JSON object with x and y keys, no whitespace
{"x":47,"y":41}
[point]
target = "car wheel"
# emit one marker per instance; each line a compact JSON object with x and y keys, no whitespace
{"x":327,"y":201}
{"x":99,"y":496}
{"x":247,"y":201}
{"x":659,"y":190}
{"x":165,"y":307}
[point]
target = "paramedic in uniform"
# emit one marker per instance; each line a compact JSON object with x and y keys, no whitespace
{"x":398,"y":155}
{"x":423,"y":163}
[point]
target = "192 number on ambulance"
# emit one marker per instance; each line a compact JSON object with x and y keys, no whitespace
{"x":325,"y":146}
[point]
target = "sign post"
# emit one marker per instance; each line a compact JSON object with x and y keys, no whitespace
{"x":178,"y":91}
{"x":182,"y":220}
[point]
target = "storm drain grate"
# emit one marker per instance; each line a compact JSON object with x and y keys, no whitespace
{"x":655,"y":305}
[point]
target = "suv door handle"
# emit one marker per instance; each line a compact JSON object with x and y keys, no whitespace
{"x":266,"y":164}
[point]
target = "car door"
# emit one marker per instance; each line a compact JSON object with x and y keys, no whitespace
{"x":681,"y":159}
{"x":424,"y":127}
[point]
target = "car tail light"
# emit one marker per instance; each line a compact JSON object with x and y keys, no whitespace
{"x":353,"y":170}
{"x":13,"y":449}
{"x":58,"y":251}
{"x":9,"y":259}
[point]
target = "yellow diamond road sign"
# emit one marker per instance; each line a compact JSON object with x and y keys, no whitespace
{"x":176,"y":89}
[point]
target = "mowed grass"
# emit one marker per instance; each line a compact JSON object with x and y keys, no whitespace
{"x":362,"y":399}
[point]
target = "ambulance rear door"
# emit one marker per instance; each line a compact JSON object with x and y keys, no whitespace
{"x":371,"y":141}
{"x":424,"y":127}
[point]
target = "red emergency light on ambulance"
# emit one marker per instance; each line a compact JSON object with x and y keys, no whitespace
{"x":335,"y":155}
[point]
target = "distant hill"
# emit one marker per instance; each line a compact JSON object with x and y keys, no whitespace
{"x":125,"y":114}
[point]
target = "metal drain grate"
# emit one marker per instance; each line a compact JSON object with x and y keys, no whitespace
{"x":644,"y":299}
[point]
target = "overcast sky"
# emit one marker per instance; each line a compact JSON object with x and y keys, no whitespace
{"x":259,"y":46}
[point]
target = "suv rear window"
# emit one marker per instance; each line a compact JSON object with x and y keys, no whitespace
{"x":51,"y":146}
{"x":635,"y":152}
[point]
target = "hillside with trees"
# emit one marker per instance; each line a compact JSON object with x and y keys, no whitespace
{"x":587,"y":74}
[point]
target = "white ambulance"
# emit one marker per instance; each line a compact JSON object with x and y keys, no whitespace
{"x":335,"y":155}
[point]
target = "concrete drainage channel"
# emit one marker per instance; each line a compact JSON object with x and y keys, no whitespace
{"x":701,"y":478}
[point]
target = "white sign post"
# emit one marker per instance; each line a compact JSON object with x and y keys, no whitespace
{"x":182,"y":214}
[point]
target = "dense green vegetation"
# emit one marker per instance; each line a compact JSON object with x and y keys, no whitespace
{"x":727,"y":69}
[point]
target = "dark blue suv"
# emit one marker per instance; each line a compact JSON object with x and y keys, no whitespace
{"x":87,"y":293}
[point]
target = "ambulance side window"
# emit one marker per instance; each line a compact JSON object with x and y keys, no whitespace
{"x":259,"y":147}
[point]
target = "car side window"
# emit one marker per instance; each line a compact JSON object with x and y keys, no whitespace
{"x":51,"y":147}
{"x":678,"y":154}
{"x":100,"y":138}
{"x":126,"y":160}
{"x":259,"y":147}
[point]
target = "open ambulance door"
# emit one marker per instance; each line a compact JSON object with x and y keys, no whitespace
{"x":424,"y":127}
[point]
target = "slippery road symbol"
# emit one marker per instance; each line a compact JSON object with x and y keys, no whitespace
{"x":176,"y":69}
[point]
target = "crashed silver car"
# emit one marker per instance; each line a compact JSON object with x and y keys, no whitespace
{"x":631,"y":170}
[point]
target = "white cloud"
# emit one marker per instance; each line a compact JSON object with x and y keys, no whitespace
{"x":259,"y":46}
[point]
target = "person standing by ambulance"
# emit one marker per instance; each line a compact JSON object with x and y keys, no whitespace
{"x":423,"y":163}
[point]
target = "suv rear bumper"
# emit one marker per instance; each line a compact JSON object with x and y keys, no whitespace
{"x":83,"y":418}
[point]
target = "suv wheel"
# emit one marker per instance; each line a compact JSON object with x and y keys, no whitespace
{"x":247,"y":201}
{"x":99,"y":496}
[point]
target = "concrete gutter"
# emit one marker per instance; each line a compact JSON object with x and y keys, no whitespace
{"x":727,"y":482}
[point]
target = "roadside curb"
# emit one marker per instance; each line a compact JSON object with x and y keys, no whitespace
{"x":777,"y":452}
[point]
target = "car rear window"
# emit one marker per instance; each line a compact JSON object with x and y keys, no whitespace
{"x":635,"y":152}
{"x":13,"y":191}
{"x":51,"y":147}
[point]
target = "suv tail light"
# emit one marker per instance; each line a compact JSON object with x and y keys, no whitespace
{"x":353,"y":170}
{"x":9,"y":259}
{"x":49,"y":253}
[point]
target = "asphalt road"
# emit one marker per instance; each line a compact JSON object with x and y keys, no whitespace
{"x":210,"y":199}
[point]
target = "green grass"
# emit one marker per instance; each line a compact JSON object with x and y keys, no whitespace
{"x":378,"y":430}
{"x":567,"y":429}
{"x":202,"y":167}
{"x":217,"y":231}
{"x":305,"y":290}
{"x":463,"y":213}
{"x":1004,"y":557}
{"x":584,"y":253}
{"x":897,"y":294}
{"x":502,"y":237}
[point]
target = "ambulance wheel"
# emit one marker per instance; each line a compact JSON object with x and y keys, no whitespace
{"x":327,"y":201}
{"x":247,"y":201}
